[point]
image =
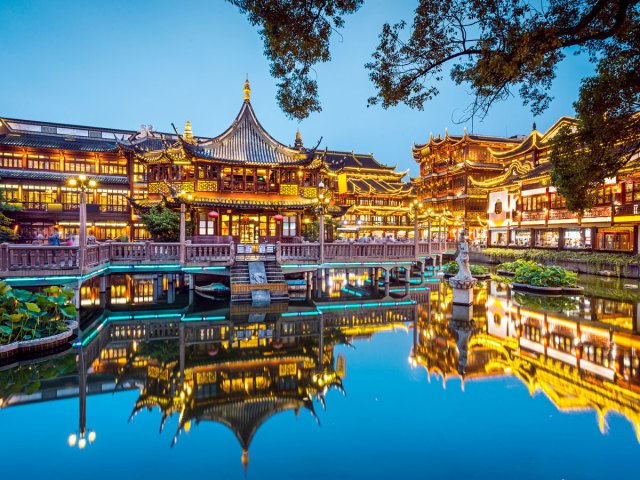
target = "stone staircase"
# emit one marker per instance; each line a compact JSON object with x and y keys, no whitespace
{"x":276,"y":277}
{"x":241,"y":286}
{"x":240,"y":276}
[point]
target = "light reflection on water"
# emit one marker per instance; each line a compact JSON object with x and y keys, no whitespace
{"x":345,"y":382}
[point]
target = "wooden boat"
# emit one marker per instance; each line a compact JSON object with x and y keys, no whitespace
{"x":213,"y":291}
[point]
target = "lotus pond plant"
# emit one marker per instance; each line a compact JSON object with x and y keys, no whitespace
{"x":540,"y":276}
{"x":453,"y":268}
{"x":28,"y":315}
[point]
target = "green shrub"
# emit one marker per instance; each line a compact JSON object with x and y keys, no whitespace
{"x":453,"y":268}
{"x":478,"y":270}
{"x":540,"y":276}
{"x":513,"y":266}
{"x":27,"y":315}
{"x":619,"y":262}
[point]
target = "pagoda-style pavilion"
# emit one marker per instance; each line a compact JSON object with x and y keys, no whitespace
{"x":446,"y":166}
{"x":242,"y":185}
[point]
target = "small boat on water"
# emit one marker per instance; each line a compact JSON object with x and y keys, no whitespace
{"x":213,"y":291}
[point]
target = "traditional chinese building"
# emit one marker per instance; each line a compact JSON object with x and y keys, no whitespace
{"x":375,"y":194}
{"x":38,"y":158}
{"x":525,"y":210}
{"x":447,"y":167}
{"x":242,"y":185}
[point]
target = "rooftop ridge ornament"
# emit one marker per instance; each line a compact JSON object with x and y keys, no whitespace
{"x":247,"y":90}
{"x":188,"y":134}
{"x":298,"y":143}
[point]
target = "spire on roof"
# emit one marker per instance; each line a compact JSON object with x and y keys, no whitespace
{"x":298,"y":142}
{"x":188,"y":134}
{"x":245,"y":459}
{"x":247,"y":89}
{"x":534,"y":126}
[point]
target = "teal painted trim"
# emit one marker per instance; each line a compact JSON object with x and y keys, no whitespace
{"x":301,"y":314}
{"x":169,"y":268}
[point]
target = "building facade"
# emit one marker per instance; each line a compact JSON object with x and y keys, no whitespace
{"x":449,"y":168}
{"x":374,"y":195}
{"x":526,"y":211}
{"x":242,"y":185}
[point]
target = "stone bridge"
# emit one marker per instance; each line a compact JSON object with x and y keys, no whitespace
{"x":62,"y":261}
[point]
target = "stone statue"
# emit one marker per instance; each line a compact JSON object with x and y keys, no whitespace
{"x":463,"y":282}
{"x":464,"y":273}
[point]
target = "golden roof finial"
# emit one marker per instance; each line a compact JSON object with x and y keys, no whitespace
{"x":247,"y":89}
{"x":245,"y":459}
{"x":188,"y":134}
{"x":298,"y":143}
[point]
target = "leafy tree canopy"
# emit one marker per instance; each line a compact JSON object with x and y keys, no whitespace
{"x":6,"y":232}
{"x":296,"y":37}
{"x":162,"y":224}
{"x":497,"y":48}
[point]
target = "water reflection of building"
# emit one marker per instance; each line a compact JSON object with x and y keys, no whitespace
{"x":205,"y":366}
{"x":578,"y":363}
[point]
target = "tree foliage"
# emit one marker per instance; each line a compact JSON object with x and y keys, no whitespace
{"x":6,"y":232}
{"x":162,"y":224}
{"x":607,"y":134}
{"x":296,"y":37}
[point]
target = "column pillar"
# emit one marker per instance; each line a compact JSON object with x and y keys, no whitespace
{"x":407,"y":279}
{"x":82,"y":240}
{"x":183,"y":233}
{"x":321,"y":235}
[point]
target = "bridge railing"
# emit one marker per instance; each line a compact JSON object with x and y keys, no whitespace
{"x":129,"y":252}
{"x":195,"y":253}
{"x":163,"y":251}
{"x":96,"y":255}
{"x":30,"y":258}
{"x":40,"y":257}
{"x":354,"y":251}
{"x":309,"y":252}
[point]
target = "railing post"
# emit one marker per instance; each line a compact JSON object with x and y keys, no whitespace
{"x":4,"y":257}
{"x":278,"y":252}
{"x":232,"y":253}
{"x":148,"y":250}
{"x":321,"y":235}
{"x":183,"y":233}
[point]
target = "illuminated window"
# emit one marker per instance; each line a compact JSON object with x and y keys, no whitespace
{"x":42,"y":162}
{"x":81,"y":165}
{"x":289,"y":226}
{"x":10,"y":160}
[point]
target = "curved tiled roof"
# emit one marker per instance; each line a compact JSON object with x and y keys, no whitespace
{"x":377,"y":187}
{"x":58,"y":143}
{"x":59,"y":176}
{"x":247,"y":141}
{"x":456,"y":139}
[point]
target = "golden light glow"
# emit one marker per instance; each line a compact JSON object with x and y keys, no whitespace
{"x":72,"y":440}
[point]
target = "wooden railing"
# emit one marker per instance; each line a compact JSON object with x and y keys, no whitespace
{"x":199,"y":254}
{"x":298,"y":252}
{"x":31,"y":258}
{"x":46,"y":259}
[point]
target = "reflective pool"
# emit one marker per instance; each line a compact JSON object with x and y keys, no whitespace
{"x":348,"y":382}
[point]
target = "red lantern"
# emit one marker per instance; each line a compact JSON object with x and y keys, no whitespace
{"x":278,"y":218}
{"x":213,"y":214}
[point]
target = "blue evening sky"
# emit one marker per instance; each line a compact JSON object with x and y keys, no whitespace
{"x":120,"y":63}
